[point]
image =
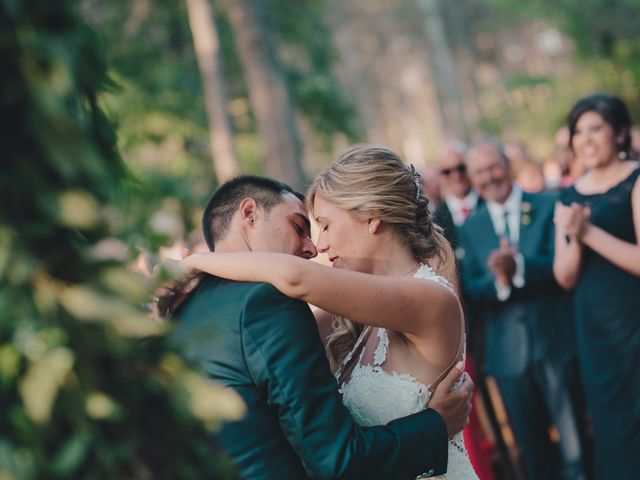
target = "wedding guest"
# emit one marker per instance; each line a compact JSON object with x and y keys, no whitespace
{"x":598,"y":255}
{"x":429,"y":183}
{"x":528,"y":330}
{"x":530,"y":176}
{"x":460,"y":200}
{"x":572,"y":168}
{"x":517,"y":154}
{"x":553,"y":173}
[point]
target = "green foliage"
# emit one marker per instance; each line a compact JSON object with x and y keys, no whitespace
{"x":158,"y":103}
{"x":599,"y":27}
{"x":309,"y":55}
{"x":527,"y":81}
{"x":606,"y":36}
{"x":89,"y":386}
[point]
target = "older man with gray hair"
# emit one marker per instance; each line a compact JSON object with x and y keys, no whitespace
{"x":507,"y":269}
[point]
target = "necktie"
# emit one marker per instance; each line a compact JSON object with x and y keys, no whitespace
{"x":464,"y":211}
{"x":507,"y":229}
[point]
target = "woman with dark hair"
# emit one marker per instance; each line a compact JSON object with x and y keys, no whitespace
{"x":598,"y":255}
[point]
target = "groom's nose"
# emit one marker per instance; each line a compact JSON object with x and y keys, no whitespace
{"x":309,"y":249}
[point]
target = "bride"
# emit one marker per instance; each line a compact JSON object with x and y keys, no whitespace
{"x":390,"y":319}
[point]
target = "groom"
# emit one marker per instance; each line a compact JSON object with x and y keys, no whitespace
{"x":266,"y":346}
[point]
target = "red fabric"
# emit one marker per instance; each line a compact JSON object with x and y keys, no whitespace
{"x":479,"y":448}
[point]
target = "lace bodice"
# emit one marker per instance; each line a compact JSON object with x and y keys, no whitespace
{"x":375,"y":396}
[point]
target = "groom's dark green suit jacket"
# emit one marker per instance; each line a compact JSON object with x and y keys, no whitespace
{"x":264,"y":345}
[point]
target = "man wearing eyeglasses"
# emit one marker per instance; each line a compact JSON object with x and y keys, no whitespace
{"x":460,"y":199}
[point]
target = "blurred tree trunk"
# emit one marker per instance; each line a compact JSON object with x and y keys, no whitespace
{"x":444,"y":69}
{"x":356,"y":73}
{"x":207,"y":48}
{"x":268,"y":93}
{"x":458,"y":19}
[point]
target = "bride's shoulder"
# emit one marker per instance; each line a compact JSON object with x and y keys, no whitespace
{"x":426,"y":272}
{"x":442,"y":304}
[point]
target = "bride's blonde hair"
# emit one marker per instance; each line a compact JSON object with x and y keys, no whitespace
{"x":371,"y":181}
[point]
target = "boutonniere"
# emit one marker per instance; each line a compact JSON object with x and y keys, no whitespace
{"x":526,"y":210}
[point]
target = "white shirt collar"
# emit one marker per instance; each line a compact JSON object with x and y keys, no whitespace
{"x":512,"y":206}
{"x":455,"y":205}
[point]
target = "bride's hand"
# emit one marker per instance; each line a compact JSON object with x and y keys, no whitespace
{"x":182,"y":280}
{"x":188,"y":263}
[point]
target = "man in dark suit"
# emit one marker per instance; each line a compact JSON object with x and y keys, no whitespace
{"x":266,"y":346}
{"x":460,"y":200}
{"x":528,"y":332}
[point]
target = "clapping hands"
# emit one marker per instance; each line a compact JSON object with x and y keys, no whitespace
{"x":571,"y":220}
{"x":502,"y":263}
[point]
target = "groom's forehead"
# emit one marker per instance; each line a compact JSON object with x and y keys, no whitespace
{"x":291,"y":204}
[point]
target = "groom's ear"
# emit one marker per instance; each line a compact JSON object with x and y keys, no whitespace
{"x":248,"y":210}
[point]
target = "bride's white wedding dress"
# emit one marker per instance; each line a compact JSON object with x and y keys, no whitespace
{"x":375,"y":394}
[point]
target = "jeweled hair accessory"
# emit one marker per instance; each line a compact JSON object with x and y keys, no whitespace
{"x":416,"y":178}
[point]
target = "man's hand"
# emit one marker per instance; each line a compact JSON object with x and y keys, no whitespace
{"x":454,"y":406}
{"x":501,"y":262}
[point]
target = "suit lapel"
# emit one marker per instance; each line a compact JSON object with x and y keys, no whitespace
{"x":485,"y":235}
{"x":526,"y":243}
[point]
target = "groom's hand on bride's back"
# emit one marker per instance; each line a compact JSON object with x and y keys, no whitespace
{"x":453,"y":406}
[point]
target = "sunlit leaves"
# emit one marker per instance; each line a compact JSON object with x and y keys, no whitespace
{"x":100,"y":406}
{"x":78,"y":209}
{"x":207,"y":401}
{"x":79,"y":356}
{"x":210,"y":402}
{"x":93,"y":306}
{"x":9,"y":363}
{"x":40,"y":385}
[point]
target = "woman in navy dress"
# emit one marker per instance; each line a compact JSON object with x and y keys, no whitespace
{"x":598,"y":255}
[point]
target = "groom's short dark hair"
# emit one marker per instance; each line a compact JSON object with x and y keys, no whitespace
{"x":224,"y":202}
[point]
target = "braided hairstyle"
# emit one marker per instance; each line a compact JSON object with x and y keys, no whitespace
{"x":371,"y":181}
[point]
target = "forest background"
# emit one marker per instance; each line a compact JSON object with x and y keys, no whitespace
{"x":409,"y":74}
